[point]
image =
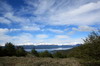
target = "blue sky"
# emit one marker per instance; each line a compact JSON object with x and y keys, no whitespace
{"x":48,"y":21}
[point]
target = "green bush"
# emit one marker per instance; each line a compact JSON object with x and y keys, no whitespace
{"x":20,"y":51}
{"x":58,"y":55}
{"x":45,"y":54}
{"x":34,"y":52}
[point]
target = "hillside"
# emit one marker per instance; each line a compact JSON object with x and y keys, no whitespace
{"x":90,"y":50}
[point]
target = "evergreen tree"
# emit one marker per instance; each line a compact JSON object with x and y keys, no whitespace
{"x":9,"y":49}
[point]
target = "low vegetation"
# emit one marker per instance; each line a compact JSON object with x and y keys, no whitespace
{"x":34,"y":61}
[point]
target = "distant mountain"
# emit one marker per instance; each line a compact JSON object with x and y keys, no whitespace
{"x":48,"y":46}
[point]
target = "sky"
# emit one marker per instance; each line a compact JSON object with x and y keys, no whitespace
{"x":68,"y":22}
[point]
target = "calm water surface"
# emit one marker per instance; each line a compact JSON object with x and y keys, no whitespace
{"x":41,"y":50}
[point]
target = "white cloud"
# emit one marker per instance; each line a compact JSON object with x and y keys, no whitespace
{"x":27,"y":24}
{"x":3,"y":30}
{"x":22,"y":38}
{"x":55,"y":30}
{"x":13,"y":18}
{"x":62,"y":13}
{"x":71,"y":32}
{"x":67,"y":41}
{"x":4,"y":20}
{"x":3,"y":36}
{"x":26,"y":28}
{"x":17,"y":40}
{"x":31,"y":28}
{"x":85,"y":8}
{"x":5,"y":7}
{"x":41,"y":36}
{"x":79,"y":16}
{"x":14,"y":29}
{"x":84,"y":28}
{"x":61,"y":36}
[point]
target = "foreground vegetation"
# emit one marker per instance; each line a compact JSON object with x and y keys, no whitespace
{"x":87,"y":54}
{"x":37,"y":61}
{"x":34,"y":61}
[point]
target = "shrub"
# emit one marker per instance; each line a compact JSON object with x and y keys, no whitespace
{"x":45,"y":54}
{"x":20,"y":51}
{"x":34,"y":52}
{"x":58,"y":55}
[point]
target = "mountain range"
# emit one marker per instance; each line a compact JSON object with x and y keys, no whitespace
{"x":48,"y":46}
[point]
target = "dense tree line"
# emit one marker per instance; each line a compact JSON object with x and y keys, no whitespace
{"x":10,"y":50}
{"x":47,"y":54}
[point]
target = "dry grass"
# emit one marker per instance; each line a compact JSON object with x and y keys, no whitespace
{"x":33,"y":61}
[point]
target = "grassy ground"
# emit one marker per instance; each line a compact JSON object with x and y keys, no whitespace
{"x":33,"y":61}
